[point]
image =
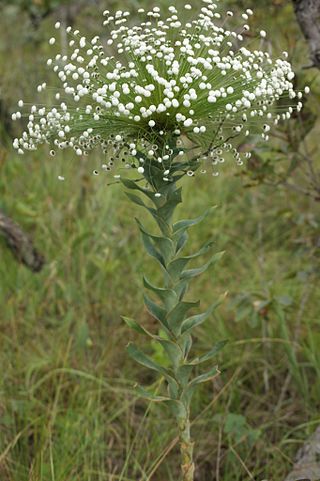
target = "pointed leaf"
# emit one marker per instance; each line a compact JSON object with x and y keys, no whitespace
{"x":135,"y":326}
{"x":172,"y":349}
{"x":163,"y":225}
{"x":183,"y":374}
{"x":168,"y":208}
{"x":167,"y":296}
{"x":210,"y":354}
{"x":130,"y":184}
{"x":136,"y":199}
{"x":181,"y":289}
{"x":163,"y":244}
{"x":133,"y":185}
{"x":185,"y":224}
{"x":196,"y":272}
{"x":156,"y":311}
{"x":176,"y":316}
{"x":145,"y":361}
{"x":185,"y":344}
{"x":141,"y":392}
{"x":205,"y":377}
{"x":181,"y":242}
{"x":178,"y":409}
{"x":176,"y":267}
{"x":152,"y":251}
{"x":195,"y":321}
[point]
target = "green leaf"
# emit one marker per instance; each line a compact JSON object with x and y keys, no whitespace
{"x":136,"y":199}
{"x":210,"y":354}
{"x":205,"y":377}
{"x":164,"y":245}
{"x":167,"y":296}
{"x":152,"y":251}
{"x":173,"y":199}
{"x":156,"y":311}
{"x":163,"y":225}
{"x":194,"y":321}
{"x":141,"y":392}
{"x":183,"y":374}
{"x":133,"y":185}
{"x":176,"y":316}
{"x":130,"y":184}
{"x":178,"y":409}
{"x":176,"y":267}
{"x":181,"y":242}
{"x":185,"y":343}
{"x":172,"y":350}
{"x":181,"y":289}
{"x":182,"y":225}
{"x":145,"y":361}
{"x":196,"y":272}
{"x":134,"y":325}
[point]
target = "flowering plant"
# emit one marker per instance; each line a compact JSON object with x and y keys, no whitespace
{"x":165,"y":99}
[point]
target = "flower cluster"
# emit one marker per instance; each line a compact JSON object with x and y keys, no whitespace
{"x":164,"y":83}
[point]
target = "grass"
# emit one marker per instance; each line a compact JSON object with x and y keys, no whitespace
{"x":67,"y":408}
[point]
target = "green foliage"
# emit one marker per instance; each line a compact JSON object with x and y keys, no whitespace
{"x":236,"y":427}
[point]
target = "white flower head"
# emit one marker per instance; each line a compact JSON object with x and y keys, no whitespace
{"x":168,"y":81}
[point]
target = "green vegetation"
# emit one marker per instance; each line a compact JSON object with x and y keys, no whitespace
{"x":68,"y":410}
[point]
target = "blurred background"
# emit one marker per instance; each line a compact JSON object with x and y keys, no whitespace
{"x":67,"y":408}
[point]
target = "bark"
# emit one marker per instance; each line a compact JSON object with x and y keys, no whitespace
{"x":20,"y":244}
{"x":308,"y":16}
{"x":307,"y":465}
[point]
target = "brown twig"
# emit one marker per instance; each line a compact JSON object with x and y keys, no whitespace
{"x":20,"y":244}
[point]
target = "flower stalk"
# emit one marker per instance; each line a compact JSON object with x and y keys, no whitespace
{"x":167,"y":303}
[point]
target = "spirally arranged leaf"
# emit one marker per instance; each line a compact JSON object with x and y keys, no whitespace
{"x":196,"y":272}
{"x":173,"y":199}
{"x":158,"y":247}
{"x":150,"y":396}
{"x":167,"y":296}
{"x":210,"y":354}
{"x":156,"y":311}
{"x":146,"y":361}
{"x":135,"y":326}
{"x":194,"y":321}
{"x":205,"y":377}
{"x":175,"y":317}
{"x":182,"y":225}
{"x":176,"y":267}
{"x":172,"y":349}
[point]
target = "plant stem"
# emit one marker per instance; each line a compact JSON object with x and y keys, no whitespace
{"x":186,"y":449}
{"x":183,"y":422}
{"x":175,"y":333}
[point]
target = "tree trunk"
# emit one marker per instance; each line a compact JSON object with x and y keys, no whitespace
{"x":308,"y":13}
